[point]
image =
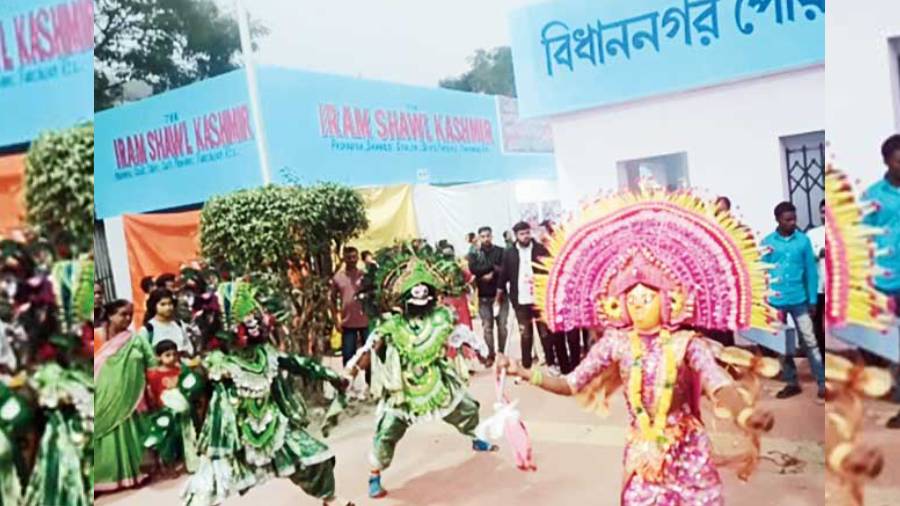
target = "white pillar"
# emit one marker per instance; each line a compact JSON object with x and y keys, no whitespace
{"x":253,"y":91}
{"x":118,"y":256}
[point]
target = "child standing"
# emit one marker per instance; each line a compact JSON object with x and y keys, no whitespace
{"x":172,"y":432}
{"x":164,"y":376}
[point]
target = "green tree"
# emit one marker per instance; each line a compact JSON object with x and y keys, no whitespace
{"x":253,"y":230}
{"x":163,"y":43}
{"x":490,"y":72}
{"x":59,"y":188}
{"x":271,"y":232}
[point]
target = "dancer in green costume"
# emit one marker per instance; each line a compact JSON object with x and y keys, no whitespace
{"x":54,"y":313}
{"x":256,"y":426}
{"x":62,"y":475}
{"x":411,"y":374}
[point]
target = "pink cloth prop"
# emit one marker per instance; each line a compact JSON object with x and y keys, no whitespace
{"x":516,"y":434}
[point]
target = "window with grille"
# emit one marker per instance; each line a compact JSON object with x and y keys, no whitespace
{"x":804,"y":171}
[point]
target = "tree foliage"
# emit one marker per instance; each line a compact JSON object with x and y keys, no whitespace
{"x":331,"y":215}
{"x":490,"y":72}
{"x":282,"y":237}
{"x":255,"y":230}
{"x":59,"y":187}
{"x":267,"y":229}
{"x":163,"y":43}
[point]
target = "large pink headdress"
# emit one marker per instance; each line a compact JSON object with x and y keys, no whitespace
{"x":707,"y":265}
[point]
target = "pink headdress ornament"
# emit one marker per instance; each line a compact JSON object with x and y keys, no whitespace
{"x":706,"y":264}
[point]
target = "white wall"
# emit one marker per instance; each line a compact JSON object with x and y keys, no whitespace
{"x":730,"y":133}
{"x":862,"y":90}
{"x":118,"y":256}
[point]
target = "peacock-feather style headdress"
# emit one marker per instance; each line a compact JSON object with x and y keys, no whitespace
{"x":851,"y":297}
{"x":403,"y":266}
{"x":706,"y":264}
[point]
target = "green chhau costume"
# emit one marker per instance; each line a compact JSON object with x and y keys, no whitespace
{"x":256,"y":427}
{"x":63,"y":473}
{"x":15,"y":418}
{"x":414,"y":378}
{"x":171,"y":430}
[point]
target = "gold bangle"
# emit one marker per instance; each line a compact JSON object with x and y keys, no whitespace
{"x":537,"y":377}
{"x":837,"y":456}
{"x":743,"y":416}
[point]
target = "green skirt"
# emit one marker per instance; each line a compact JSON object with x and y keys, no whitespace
{"x":58,"y":477}
{"x":119,"y":454}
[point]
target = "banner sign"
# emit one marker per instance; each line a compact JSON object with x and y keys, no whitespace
{"x":361,"y":133}
{"x":182,"y":147}
{"x":46,"y":66}
{"x":576,"y":54}
{"x":352,"y":128}
{"x":175,"y":149}
{"x":206,"y":138}
{"x":523,"y":135}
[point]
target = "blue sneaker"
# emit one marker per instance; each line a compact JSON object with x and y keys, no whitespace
{"x":480,"y":445}
{"x":376,"y":491}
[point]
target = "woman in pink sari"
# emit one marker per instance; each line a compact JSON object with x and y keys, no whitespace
{"x":119,"y":368}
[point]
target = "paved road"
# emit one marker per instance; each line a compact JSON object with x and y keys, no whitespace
{"x":578,"y":454}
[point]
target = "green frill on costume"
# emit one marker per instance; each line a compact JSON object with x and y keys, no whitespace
{"x":255,"y":428}
{"x":120,"y":430}
{"x":73,"y":284}
{"x":171,"y":430}
{"x":63,"y":475}
{"x":15,"y":417}
{"x":415,"y":380}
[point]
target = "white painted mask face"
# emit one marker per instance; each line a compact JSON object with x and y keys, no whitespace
{"x":420,"y":295}
{"x":252,"y":325}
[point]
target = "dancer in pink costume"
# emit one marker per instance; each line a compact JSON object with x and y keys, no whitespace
{"x":648,"y":266}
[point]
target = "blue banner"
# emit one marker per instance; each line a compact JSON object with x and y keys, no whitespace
{"x":175,"y":149}
{"x":359,"y":132}
{"x":182,"y":147}
{"x":46,"y":66}
{"x":576,"y":54}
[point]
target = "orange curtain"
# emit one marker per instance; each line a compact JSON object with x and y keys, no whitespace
{"x":12,"y":193}
{"x":158,"y":243}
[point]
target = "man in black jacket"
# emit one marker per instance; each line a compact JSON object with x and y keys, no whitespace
{"x":517,"y":278}
{"x":485,"y":263}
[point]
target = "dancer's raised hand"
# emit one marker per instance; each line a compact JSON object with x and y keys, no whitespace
{"x":863,"y":461}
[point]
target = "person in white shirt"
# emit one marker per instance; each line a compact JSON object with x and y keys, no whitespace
{"x":517,"y":279}
{"x":817,"y":238}
{"x":160,"y":323}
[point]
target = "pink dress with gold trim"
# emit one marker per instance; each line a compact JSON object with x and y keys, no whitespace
{"x":688,"y":476}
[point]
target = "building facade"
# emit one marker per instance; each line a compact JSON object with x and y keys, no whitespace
{"x":711,"y":94}
{"x":863,"y":90}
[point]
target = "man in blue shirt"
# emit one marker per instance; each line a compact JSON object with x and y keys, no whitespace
{"x":795,"y":283}
{"x":886,"y":195}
